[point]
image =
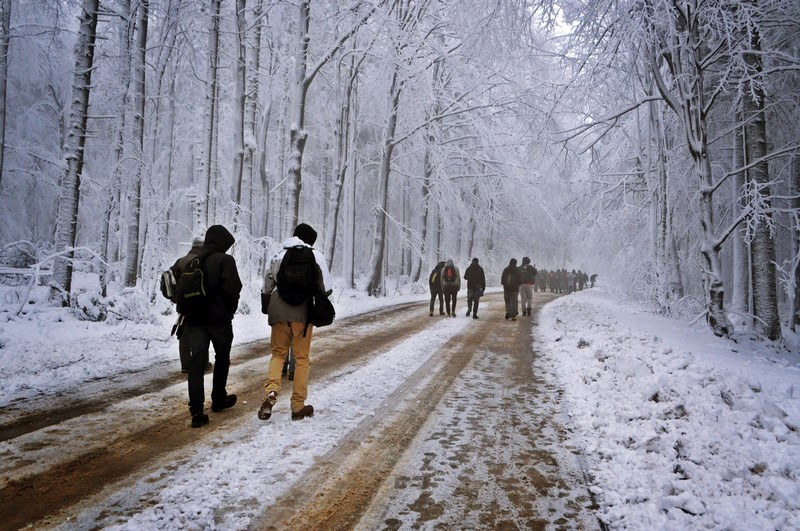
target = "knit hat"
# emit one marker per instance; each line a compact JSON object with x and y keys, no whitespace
{"x":474,"y":260}
{"x":305,"y":233}
{"x":526,"y":260}
{"x":197,"y":241}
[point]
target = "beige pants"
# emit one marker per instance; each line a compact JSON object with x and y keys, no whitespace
{"x":285,"y":336}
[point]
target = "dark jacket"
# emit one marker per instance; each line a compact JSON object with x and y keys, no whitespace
{"x":435,"y":278}
{"x":475,"y":277}
{"x":222,"y":277}
{"x":510,"y":277}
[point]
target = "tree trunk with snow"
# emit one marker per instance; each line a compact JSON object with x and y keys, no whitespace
{"x":741,"y":261}
{"x":765,"y":296}
{"x":5,"y":39}
{"x":139,"y":86}
{"x":208,"y":159}
{"x":67,"y":220}
{"x":297,"y":133}
{"x":241,"y":157}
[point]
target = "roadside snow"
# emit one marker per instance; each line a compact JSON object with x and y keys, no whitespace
{"x":682,"y":430}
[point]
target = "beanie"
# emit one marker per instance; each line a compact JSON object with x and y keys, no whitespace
{"x":197,"y":241}
{"x":474,"y":260}
{"x":305,"y":233}
{"x":526,"y":260}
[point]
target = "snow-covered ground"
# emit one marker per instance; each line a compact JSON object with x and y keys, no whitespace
{"x":680,"y":430}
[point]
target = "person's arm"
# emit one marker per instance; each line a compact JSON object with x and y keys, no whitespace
{"x":230,"y":283}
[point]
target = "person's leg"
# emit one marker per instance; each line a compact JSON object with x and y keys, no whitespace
{"x":469,"y":302}
{"x":475,"y":301}
{"x":441,"y":303}
{"x":199,"y":341}
{"x":279,"y":343}
{"x":507,"y":300}
{"x":447,"y":296}
{"x":514,"y":305}
{"x":300,"y":347}
{"x":222,"y":339}
{"x":433,"y":300}
{"x":184,"y":350}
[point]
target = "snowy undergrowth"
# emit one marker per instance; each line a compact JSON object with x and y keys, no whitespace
{"x":682,"y":430}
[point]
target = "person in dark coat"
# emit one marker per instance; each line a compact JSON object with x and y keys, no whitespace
{"x":435,"y":285}
{"x":476,"y":285}
{"x":510,"y":281}
{"x":177,"y":269}
{"x":215,"y":326}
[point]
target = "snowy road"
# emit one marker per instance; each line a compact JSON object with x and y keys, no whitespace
{"x":421,"y":422}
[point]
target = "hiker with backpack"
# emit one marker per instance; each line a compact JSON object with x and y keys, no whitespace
{"x":451,"y":283}
{"x":510,"y":281}
{"x":207,"y":295}
{"x":435,"y":285}
{"x":294,"y":275}
{"x":527,"y":277}
{"x":476,"y":285}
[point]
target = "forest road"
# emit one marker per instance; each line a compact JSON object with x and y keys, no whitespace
{"x":489,"y":421}
{"x":473,"y":440}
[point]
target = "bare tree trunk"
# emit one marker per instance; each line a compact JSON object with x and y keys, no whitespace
{"x":375,"y":284}
{"x":133,"y":255}
{"x":208,"y":157}
{"x":794,"y":292}
{"x":741,"y":275}
{"x":240,"y":156}
{"x":297,"y":133}
{"x":5,"y":39}
{"x":765,"y":295}
{"x":67,"y":220}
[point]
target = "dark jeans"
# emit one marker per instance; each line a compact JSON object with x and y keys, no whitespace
{"x":473,"y":299}
{"x":512,"y":302}
{"x":221,"y":336}
{"x":450,"y":295}
{"x":435,"y":294}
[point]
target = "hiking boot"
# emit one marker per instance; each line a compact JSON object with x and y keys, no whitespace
{"x":441,"y":312}
{"x":448,"y":314}
{"x":227,"y":402}
{"x":514,"y":318}
{"x":431,"y":314}
{"x":507,"y":316}
{"x":199,"y":420}
{"x":468,"y":312}
{"x":307,"y":411}
{"x":475,"y":316}
{"x":265,"y":411}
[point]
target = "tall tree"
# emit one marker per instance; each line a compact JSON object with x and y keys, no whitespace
{"x":74,"y":153}
{"x":5,"y":40}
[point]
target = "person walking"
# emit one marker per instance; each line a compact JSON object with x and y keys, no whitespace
{"x":289,"y":318}
{"x":211,"y":322}
{"x":451,"y":283}
{"x":177,"y":269}
{"x":476,"y":285}
{"x":527,"y":277}
{"x":435,"y":285}
{"x":510,"y":281}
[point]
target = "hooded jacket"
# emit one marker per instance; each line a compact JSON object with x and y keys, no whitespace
{"x":510,"y":277}
{"x":280,"y":311}
{"x":453,"y":286}
{"x":224,"y":285}
{"x":475,"y":276}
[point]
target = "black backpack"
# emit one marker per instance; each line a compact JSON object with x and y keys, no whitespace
{"x":192,"y":296}
{"x":297,"y":275}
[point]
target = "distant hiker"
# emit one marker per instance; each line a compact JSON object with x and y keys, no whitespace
{"x":294,"y":274}
{"x":451,"y":283}
{"x":476,"y":285}
{"x":209,"y":318}
{"x":527,"y":278}
{"x":510,"y":281}
{"x":435,"y":285}
{"x":592,"y":279}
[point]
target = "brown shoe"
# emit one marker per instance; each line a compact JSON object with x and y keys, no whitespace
{"x":265,"y":411}
{"x":307,"y":411}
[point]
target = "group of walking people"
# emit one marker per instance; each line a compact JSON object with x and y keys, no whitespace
{"x":445,"y":282}
{"x":208,"y":319}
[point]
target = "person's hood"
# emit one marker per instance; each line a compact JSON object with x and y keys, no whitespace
{"x":440,"y":265}
{"x":293,"y":241}
{"x":450,"y":262}
{"x":512,"y":262}
{"x":218,"y":238}
{"x":526,"y":260}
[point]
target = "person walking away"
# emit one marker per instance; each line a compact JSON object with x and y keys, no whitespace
{"x":435,"y":285}
{"x":476,"y":285}
{"x":177,"y":269}
{"x":451,"y":283}
{"x":210,"y":321}
{"x":527,"y":277}
{"x":510,"y":281}
{"x":288,"y":287}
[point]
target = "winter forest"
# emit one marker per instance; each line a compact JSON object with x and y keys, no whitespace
{"x":654,"y":142}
